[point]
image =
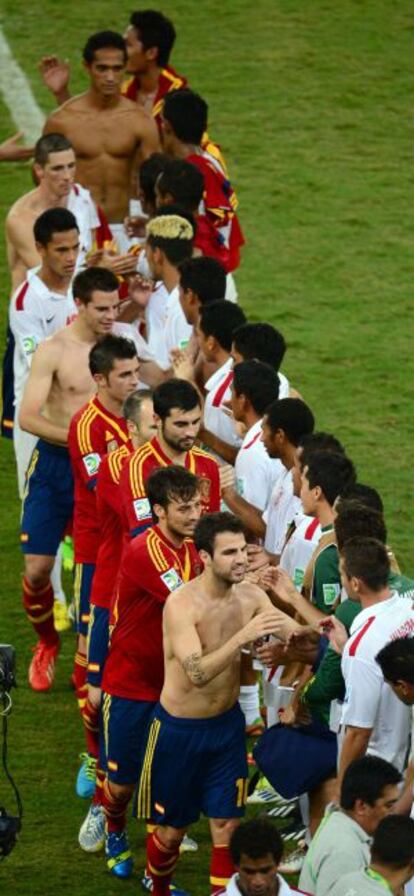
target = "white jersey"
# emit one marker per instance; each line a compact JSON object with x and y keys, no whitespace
{"x":35,"y":313}
{"x":299,"y":548}
{"x":155,"y":315}
{"x":280,"y":512}
{"x":218,"y":389}
{"x":177,"y":331}
{"x":233,"y":889}
{"x":255,"y":471}
{"x":369,"y":701}
{"x":81,"y":204}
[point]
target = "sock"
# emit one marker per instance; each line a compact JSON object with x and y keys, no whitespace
{"x":221,"y":869}
{"x":97,"y":798}
{"x":38,"y":603}
{"x":150,"y":830}
{"x":161,"y":862}
{"x":79,"y":678}
{"x":90,"y":718}
{"x":249,"y":702}
{"x":115,"y":809}
{"x":56,"y":578}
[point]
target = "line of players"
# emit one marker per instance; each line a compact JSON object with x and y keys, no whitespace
{"x":82,"y":391}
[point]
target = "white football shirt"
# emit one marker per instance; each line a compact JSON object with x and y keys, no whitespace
{"x":255,"y":471}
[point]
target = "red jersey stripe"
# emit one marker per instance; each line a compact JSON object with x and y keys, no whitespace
{"x":253,"y":440}
{"x":310,"y":531}
{"x":221,"y":391}
{"x":355,"y":644}
{"x":20,"y":297}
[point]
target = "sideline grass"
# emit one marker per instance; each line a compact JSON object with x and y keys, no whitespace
{"x":312,"y":104}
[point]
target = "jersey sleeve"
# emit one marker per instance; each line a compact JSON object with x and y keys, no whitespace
{"x":362,"y":693}
{"x":138,"y":571}
{"x":27,"y":329}
{"x":86,"y":448}
{"x":215,"y":497}
{"x":135,"y":504}
{"x":327,"y":580}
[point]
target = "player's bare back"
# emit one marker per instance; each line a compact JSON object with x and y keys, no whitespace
{"x":216,"y":621}
{"x":105,"y":141}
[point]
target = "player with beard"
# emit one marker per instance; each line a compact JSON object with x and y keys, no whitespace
{"x":177,"y":412}
{"x":198,"y":727}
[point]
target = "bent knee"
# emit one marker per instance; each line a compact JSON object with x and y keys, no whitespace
{"x":222,"y":829}
{"x":37,"y":569}
{"x":170,"y":837}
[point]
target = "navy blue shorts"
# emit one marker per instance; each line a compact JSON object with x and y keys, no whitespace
{"x":193,"y":766}
{"x":82,"y":587}
{"x":125,"y":730}
{"x":98,"y":643}
{"x":48,"y":499}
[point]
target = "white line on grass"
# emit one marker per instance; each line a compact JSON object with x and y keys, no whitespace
{"x":18,"y":95}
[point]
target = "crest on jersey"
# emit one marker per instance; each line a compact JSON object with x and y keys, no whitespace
{"x":29,"y":344}
{"x":142,"y":508}
{"x":171,"y":579}
{"x":91,"y":463}
{"x":111,"y":446}
{"x":205,"y":487}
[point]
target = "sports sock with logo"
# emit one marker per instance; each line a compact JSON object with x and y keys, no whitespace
{"x":115,"y":809}
{"x":38,"y":603}
{"x":221,"y":869}
{"x":161,"y":862}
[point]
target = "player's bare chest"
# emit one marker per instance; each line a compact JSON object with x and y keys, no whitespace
{"x":95,"y":134}
{"x":73,"y":376}
{"x":216,"y":625}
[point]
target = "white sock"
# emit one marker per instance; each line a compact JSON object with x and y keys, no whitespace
{"x":304,"y":811}
{"x":249,"y":702}
{"x":56,"y":577}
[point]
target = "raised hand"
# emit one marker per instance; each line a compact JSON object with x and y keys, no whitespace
{"x":10,"y":151}
{"x":55,"y":73}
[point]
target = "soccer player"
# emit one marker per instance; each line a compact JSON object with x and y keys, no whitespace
{"x":177,"y":413}
{"x":59,"y":384}
{"x":155,"y":564}
{"x":369,"y":793}
{"x":116,"y":130}
{"x":216,"y":325}
{"x":54,"y":169}
{"x":375,"y":720}
{"x":95,"y":430}
{"x":139,"y":416}
{"x":247,"y":489}
{"x":256,"y":849}
{"x":169,"y":241}
{"x":396,"y":661}
{"x":285,"y":423}
{"x":202,"y":281}
{"x":251,"y":341}
{"x":391,"y":865}
{"x":39,"y":307}
{"x":184,"y":117}
{"x":149,"y":39}
{"x":198,"y":728}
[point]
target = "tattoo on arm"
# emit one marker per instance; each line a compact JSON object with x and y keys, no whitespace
{"x":191,"y":666}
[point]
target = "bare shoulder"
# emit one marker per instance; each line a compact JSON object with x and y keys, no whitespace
{"x":59,"y":116}
{"x":251,"y":594}
{"x":22,"y":208}
{"x":48,"y":354}
{"x":180,"y":602}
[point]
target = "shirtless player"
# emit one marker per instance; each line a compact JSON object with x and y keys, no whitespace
{"x":107,"y":130}
{"x":198,"y":726}
{"x":59,"y":384}
{"x":54,"y":169}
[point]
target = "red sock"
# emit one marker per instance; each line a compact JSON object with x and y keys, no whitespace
{"x":79,"y":678}
{"x":115,"y":809}
{"x":97,"y":798}
{"x":38,"y":603}
{"x":90,"y":718}
{"x":161,"y":862}
{"x":221,"y":869}
{"x":150,"y":830}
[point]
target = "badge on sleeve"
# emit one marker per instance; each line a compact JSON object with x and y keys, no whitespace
{"x":29,"y":344}
{"x":142,"y":508}
{"x":330,"y":593}
{"x":91,"y":463}
{"x":171,"y":579}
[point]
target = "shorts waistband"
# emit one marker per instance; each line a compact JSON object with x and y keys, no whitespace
{"x":210,"y":722}
{"x":60,"y":450}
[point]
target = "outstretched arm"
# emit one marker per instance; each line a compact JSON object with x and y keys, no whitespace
{"x":11,"y":151}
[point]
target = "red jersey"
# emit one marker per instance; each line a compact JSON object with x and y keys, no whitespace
{"x":218,"y":229}
{"x":150,"y":457}
{"x":110,"y":525}
{"x":168,"y":80}
{"x":93,"y":432}
{"x":152,"y":567}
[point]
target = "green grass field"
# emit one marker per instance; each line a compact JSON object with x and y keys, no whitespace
{"x":312,"y":104}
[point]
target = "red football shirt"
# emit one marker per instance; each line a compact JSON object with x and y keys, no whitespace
{"x":218,"y":230}
{"x":150,"y":457}
{"x":93,"y":432}
{"x":152,"y":567}
{"x":168,"y":80}
{"x":111,"y":527}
